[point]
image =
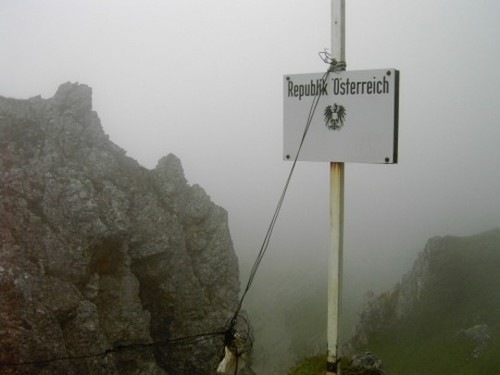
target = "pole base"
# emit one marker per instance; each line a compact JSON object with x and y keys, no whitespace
{"x":331,"y":368}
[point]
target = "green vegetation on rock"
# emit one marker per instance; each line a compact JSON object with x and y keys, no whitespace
{"x":444,"y":317}
{"x":309,"y":366}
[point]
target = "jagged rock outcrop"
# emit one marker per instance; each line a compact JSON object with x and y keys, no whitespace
{"x":389,"y":307}
{"x":444,"y":266}
{"x":444,"y":312}
{"x":480,"y":335}
{"x":364,"y":364}
{"x":98,"y":252}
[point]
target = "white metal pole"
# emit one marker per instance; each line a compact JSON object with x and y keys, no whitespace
{"x":335,"y":263}
{"x":338,"y":30}
{"x":336,"y":210}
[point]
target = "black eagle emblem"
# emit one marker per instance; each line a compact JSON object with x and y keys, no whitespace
{"x":335,"y":116}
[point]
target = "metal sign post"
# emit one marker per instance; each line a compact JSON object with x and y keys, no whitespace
{"x":356,"y":122}
{"x":336,"y":211}
{"x":335,"y":263}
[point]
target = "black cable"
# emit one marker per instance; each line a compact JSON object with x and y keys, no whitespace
{"x":333,"y":68}
{"x":122,"y":348}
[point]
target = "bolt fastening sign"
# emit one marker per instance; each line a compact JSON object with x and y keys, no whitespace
{"x":355,"y":119}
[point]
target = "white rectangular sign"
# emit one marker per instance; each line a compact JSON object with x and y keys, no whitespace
{"x":356,"y":119}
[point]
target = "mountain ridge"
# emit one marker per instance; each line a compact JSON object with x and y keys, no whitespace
{"x":98,"y":252}
{"x":444,"y":315}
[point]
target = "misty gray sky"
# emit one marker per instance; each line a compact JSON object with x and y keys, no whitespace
{"x":203,"y":80}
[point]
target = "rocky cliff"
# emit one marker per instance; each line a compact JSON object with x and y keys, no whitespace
{"x":444,"y":315}
{"x":99,"y":254}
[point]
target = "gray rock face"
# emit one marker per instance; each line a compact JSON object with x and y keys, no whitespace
{"x":480,"y":334}
{"x":365,"y":364}
{"x":381,"y":311}
{"x":98,"y":253}
{"x":453,"y":282}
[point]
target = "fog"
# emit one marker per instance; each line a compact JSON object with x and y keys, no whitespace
{"x":203,"y":80}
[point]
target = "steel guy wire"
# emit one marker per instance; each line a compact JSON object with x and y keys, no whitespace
{"x":333,"y":68}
